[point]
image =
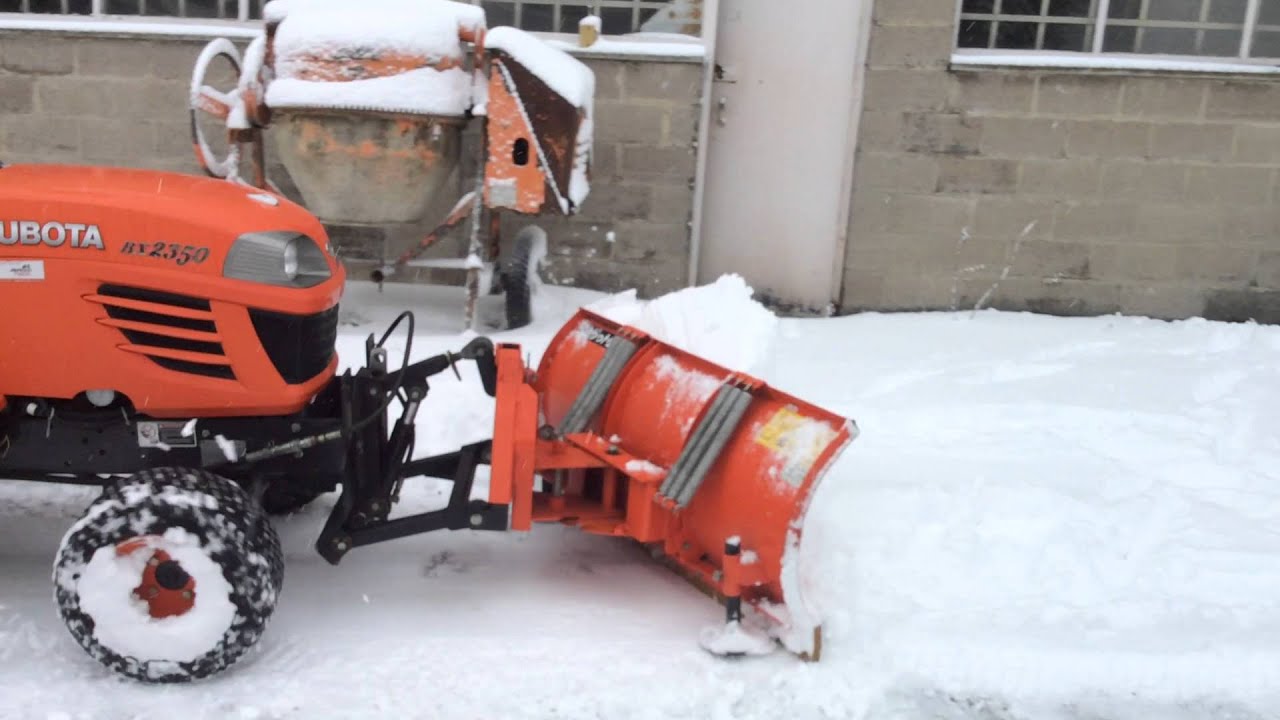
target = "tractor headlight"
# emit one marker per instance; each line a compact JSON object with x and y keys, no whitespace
{"x":282,"y":258}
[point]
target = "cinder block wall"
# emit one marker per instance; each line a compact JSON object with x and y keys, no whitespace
{"x":121,"y":100}
{"x":1066,"y":192}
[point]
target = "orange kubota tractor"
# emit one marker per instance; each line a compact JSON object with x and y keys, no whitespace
{"x":171,"y":339}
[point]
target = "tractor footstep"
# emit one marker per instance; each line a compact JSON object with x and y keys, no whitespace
{"x":734,"y":640}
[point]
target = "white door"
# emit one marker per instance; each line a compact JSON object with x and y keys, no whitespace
{"x":781,"y":144}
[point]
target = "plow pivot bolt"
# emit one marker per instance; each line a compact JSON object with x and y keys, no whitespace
{"x":613,"y":450}
{"x":476,"y":519}
{"x":341,"y":545}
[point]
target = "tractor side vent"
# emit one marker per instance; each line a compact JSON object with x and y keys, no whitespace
{"x":176,"y":332}
{"x":300,"y":346}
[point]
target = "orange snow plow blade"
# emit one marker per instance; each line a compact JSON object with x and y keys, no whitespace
{"x":710,"y":468}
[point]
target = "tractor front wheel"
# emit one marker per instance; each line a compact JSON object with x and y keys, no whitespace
{"x":170,"y":576}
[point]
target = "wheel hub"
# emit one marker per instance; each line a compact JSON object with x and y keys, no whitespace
{"x":166,"y":588}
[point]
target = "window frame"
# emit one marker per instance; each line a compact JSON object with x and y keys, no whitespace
{"x":1094,"y":56}
{"x":242,"y":11}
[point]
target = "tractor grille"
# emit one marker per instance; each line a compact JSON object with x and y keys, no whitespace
{"x":166,"y":328}
{"x":300,"y":346}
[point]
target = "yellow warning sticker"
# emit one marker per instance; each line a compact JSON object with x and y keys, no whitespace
{"x":796,"y":441}
{"x":774,"y":434}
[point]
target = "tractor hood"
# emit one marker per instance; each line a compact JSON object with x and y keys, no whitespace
{"x":142,"y":205}
{"x":159,"y":223}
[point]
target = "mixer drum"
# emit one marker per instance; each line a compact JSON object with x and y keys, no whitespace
{"x":367,"y":167}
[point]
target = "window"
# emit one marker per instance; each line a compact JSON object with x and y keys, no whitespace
{"x":214,"y":9}
{"x":617,"y":16}
{"x":1235,"y":29}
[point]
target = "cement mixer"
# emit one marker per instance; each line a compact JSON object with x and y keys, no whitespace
{"x":368,"y":103}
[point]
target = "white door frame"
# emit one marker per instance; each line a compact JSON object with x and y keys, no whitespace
{"x":711,"y":22}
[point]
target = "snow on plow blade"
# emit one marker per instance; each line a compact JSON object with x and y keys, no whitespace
{"x":711,"y":468}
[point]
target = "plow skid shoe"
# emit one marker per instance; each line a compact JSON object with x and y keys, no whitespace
{"x":713,"y":469}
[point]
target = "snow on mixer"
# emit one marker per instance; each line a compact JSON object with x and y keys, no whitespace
{"x":368,"y":103}
{"x":213,"y":400}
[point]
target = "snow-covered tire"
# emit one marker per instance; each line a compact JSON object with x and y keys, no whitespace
{"x":520,"y":274}
{"x":222,"y":541}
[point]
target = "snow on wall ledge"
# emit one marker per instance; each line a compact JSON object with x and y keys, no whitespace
{"x":1087,"y":61}
{"x":638,"y":46}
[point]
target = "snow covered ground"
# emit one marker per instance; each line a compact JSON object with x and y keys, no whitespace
{"x":1043,"y":518}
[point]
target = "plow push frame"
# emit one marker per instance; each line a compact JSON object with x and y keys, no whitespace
{"x":549,"y":429}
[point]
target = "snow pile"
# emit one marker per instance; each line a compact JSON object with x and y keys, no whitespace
{"x":719,"y":322}
{"x":428,"y":29}
{"x":567,"y":77}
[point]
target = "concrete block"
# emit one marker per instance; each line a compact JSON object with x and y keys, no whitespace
{"x":1108,"y":138}
{"x":942,"y":133}
{"x":1066,"y":179}
{"x":677,"y":82}
{"x":1164,"y":97}
{"x":1144,"y":181}
{"x":862,"y":289}
{"x":1177,"y":224}
{"x":1050,"y":259}
{"x":1243,"y":99}
{"x":1267,"y":272}
{"x":35,"y":54}
{"x":1091,"y":221}
{"x":870,"y":212}
{"x":40,"y":135}
{"x":639,"y":162}
{"x":894,"y":89}
{"x":1019,"y":137}
{"x":882,"y":131}
{"x":628,"y":123}
{"x":1192,"y":141}
{"x":606,"y":165}
{"x":904,"y":173}
{"x":1077,"y":95}
{"x":1219,"y":185}
{"x":1013,"y":217}
{"x":617,"y":201}
{"x":1257,"y":144}
{"x":671,"y":204}
{"x":17,"y":94}
{"x":910,"y":47}
{"x":168,"y":59}
{"x":609,"y":78}
{"x":924,"y":214}
{"x":117,"y":141}
{"x":649,"y":242}
{"x":1250,"y":226}
{"x":993,"y":92}
{"x":681,"y":127}
{"x":1129,"y":261}
{"x":977,"y":175}
{"x":1215,"y":264}
{"x":915,"y":13}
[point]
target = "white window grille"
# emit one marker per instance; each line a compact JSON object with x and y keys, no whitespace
{"x":1238,"y":30}
{"x":617,"y":16}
